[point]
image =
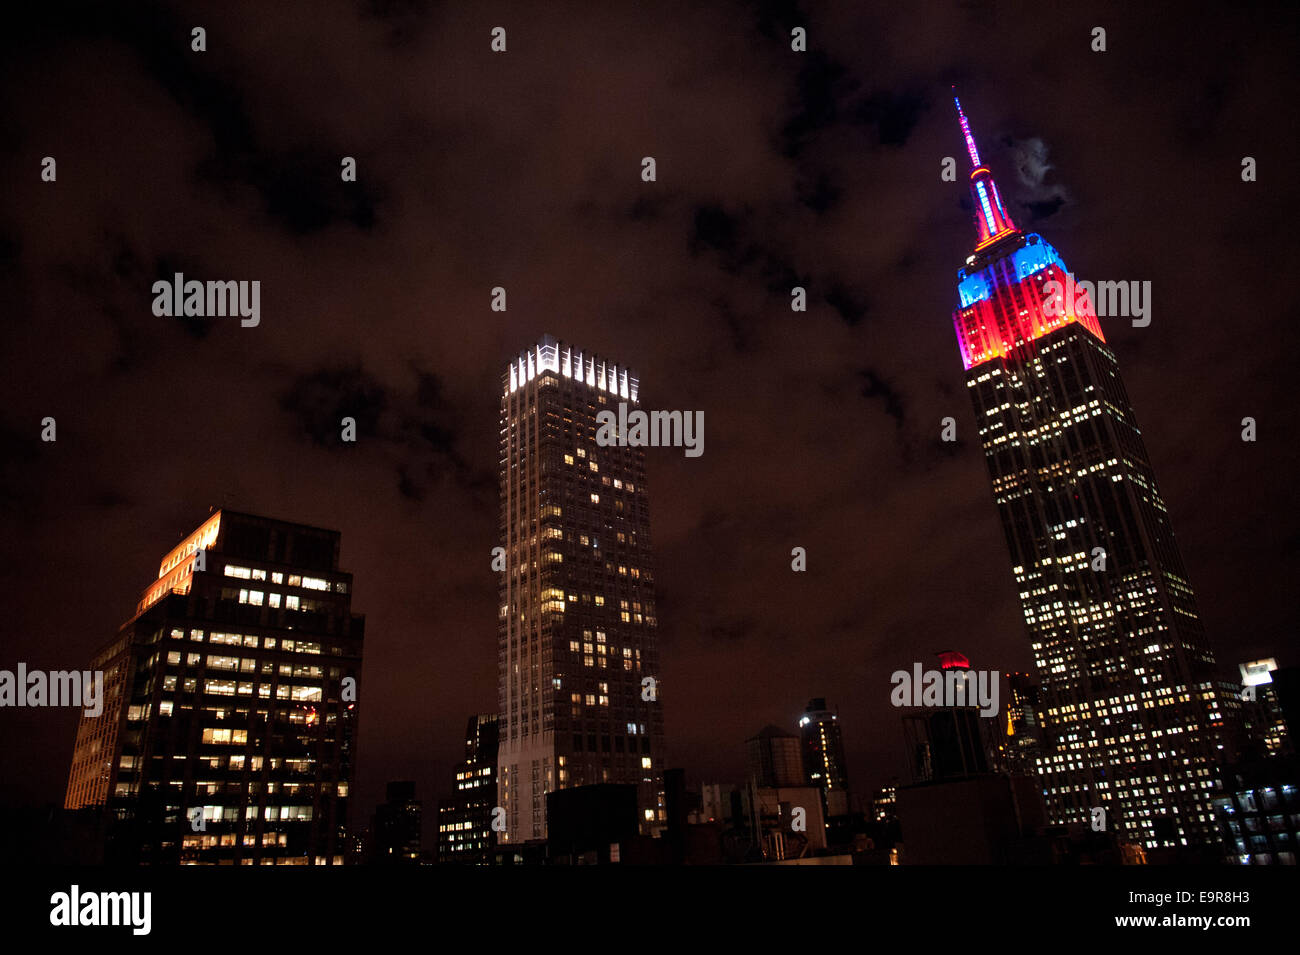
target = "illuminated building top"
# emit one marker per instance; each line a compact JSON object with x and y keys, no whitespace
{"x":1127,"y":716}
{"x":1257,"y":672}
{"x":177,"y":566}
{"x":1004,"y":288}
{"x":552,"y":355}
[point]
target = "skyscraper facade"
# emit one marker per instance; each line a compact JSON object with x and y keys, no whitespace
{"x":229,"y":723}
{"x":823,"y":756}
{"x":1129,"y":699}
{"x":578,"y":668}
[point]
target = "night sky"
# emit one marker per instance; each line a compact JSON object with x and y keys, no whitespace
{"x":522,"y":170}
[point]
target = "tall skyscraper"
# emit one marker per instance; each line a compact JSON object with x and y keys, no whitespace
{"x":229,"y":723}
{"x":465,"y":832}
{"x":578,"y":669}
{"x":823,"y":756}
{"x":1129,"y":700}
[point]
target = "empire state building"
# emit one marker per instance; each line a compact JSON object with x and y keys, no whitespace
{"x":1131,"y":713}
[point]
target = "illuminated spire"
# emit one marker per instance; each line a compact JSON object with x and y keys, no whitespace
{"x":965,"y":131}
{"x":990,"y":215}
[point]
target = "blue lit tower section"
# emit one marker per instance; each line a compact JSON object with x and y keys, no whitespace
{"x":1131,"y":720}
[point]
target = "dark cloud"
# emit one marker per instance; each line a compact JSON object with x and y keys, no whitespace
{"x":894,"y":115}
{"x":818,"y":192}
{"x":851,"y":306}
{"x":822,"y":86}
{"x":875,"y":387}
{"x":404,"y":21}
{"x":732,"y":630}
{"x":320,"y":400}
{"x":1039,"y":211}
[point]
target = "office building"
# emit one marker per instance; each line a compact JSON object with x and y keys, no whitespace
{"x":465,"y":833}
{"x":228,"y":734}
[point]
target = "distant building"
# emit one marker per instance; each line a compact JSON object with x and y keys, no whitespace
{"x":1261,"y":711}
{"x":958,"y":809}
{"x":884,"y":805}
{"x":54,"y":836}
{"x":593,"y":825}
{"x":719,"y":802}
{"x":783,"y":822}
{"x":397,"y":827}
{"x":465,"y":833}
{"x":1020,"y":740}
{"x":1259,"y":811}
{"x":775,"y":759}
{"x":946,"y":743}
{"x":980,"y":819}
{"x":229,"y":727}
{"x":1286,"y":686}
{"x":823,"y":756}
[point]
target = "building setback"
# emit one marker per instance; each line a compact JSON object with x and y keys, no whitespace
{"x":1129,"y":699}
{"x":229,"y":726}
{"x":578,"y":667}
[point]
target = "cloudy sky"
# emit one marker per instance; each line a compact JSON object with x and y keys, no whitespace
{"x":522,"y":169}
